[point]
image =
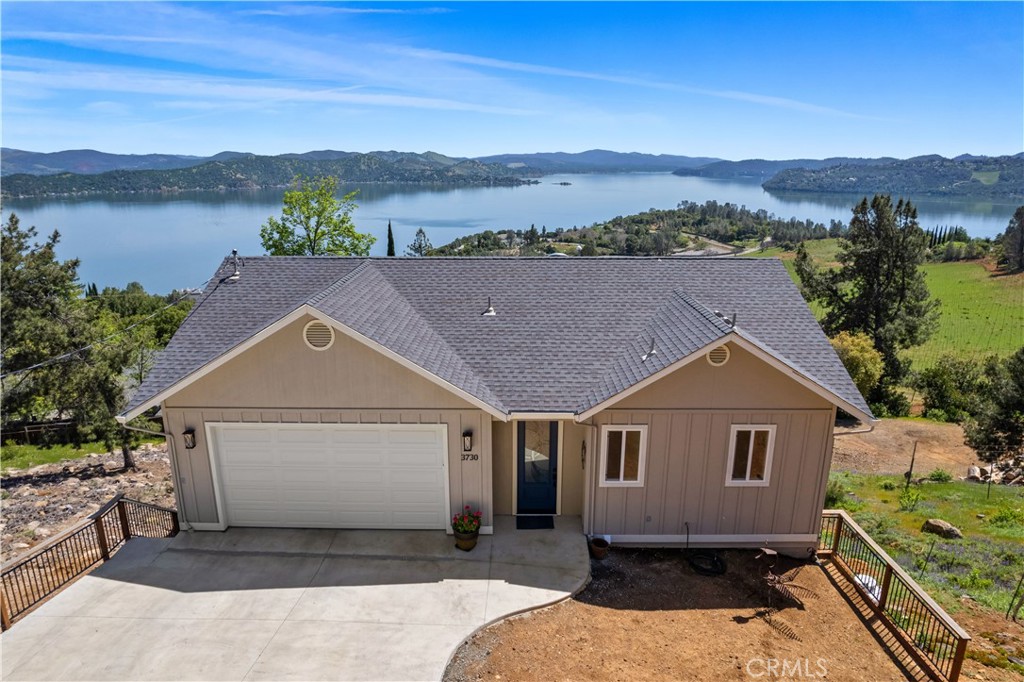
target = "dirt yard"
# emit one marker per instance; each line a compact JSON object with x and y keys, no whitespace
{"x":887,"y":449}
{"x":40,"y":502}
{"x":647,"y":615}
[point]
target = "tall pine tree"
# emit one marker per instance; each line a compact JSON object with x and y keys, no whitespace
{"x":878,"y":290}
{"x":391,"y":241}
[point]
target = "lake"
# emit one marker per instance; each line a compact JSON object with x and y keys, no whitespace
{"x":176,"y":241}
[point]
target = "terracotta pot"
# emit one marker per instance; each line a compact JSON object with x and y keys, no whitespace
{"x":466,"y":541}
{"x":599,"y":548}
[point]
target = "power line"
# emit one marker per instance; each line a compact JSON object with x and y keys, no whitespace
{"x":71,"y":354}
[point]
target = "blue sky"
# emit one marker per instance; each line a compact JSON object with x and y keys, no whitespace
{"x":733,"y":80}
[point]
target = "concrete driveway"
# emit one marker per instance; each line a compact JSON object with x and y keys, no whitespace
{"x":261,"y":604}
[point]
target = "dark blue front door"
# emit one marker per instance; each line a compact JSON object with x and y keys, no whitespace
{"x":537,"y":467}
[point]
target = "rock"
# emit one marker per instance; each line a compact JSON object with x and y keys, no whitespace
{"x":942,"y":528}
{"x":979,"y":516}
{"x":41,"y":503}
{"x":20,"y":545}
{"x":43,"y":532}
{"x":32,"y":525}
{"x":71,"y":481}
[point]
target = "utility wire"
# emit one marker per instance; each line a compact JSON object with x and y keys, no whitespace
{"x":70,"y":354}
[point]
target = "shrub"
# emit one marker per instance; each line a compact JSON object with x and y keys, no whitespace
{"x":861,"y":359}
{"x":940,"y":476}
{"x":888,"y":485}
{"x":835,"y":493}
{"x":909,"y":499}
{"x":950,"y":388}
{"x":1007,"y":517}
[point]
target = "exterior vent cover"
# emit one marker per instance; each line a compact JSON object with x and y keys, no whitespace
{"x":318,"y":335}
{"x":718,"y":356}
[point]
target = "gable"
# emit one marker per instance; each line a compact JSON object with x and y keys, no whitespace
{"x":282,"y":371}
{"x":745,"y":381}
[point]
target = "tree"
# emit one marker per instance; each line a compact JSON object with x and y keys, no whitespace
{"x":420,"y":246}
{"x":951,"y":388}
{"x":391,"y":241}
{"x":1013,"y":241}
{"x":314,"y":222}
{"x":878,"y":289}
{"x":55,"y":363}
{"x":860,"y":358}
{"x":996,"y":431}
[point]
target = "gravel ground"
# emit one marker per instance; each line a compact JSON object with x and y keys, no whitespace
{"x":40,"y":502}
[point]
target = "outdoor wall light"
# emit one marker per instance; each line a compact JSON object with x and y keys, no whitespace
{"x":189,"y":436}
{"x":467,"y":440}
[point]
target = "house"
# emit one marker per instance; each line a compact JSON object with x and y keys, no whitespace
{"x":661,"y":400}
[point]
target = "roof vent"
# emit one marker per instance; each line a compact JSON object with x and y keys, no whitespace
{"x":318,"y":335}
{"x":650,"y":353}
{"x":234,"y":276}
{"x":490,"y":312}
{"x":718,"y":356}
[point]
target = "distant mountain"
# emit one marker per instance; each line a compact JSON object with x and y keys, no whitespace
{"x":261,"y":172}
{"x":596,"y":161}
{"x":90,"y":161}
{"x":763,"y":169}
{"x":998,"y":177}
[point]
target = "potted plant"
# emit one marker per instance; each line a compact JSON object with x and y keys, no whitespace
{"x":466,"y":527}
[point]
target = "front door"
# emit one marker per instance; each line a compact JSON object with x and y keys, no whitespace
{"x":537,"y":467}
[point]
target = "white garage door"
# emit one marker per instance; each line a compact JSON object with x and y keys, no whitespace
{"x":332,"y":476}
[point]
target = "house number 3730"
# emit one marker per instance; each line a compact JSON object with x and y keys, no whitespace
{"x":470,"y":458}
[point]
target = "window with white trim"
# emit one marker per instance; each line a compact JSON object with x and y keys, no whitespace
{"x":623,"y":456}
{"x":750,"y":455}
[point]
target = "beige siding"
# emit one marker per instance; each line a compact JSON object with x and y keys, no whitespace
{"x":281,"y":380}
{"x":686,"y":473}
{"x":282,"y":370}
{"x":570,"y":468}
{"x":698,"y":385}
{"x":503,"y":467}
{"x":689,"y":414}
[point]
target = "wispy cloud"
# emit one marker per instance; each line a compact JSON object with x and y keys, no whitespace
{"x":100,"y":38}
{"x":505,"y":65}
{"x":320,"y":10}
{"x":57,"y":75}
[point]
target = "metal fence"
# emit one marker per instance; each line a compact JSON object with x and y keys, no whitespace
{"x":28,"y":580}
{"x":925,"y":631}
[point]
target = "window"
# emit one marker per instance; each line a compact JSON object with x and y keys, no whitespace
{"x":750,"y":455}
{"x":623,"y":454}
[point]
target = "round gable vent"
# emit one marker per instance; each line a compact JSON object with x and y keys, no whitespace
{"x":718,"y":356}
{"x":318,"y":335}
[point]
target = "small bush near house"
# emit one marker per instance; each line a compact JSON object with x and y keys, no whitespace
{"x":888,"y":485}
{"x":835,"y":493}
{"x":940,"y":476}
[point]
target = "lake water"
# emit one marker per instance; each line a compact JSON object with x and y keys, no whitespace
{"x":177,"y":241}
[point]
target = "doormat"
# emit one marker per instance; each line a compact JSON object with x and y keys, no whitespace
{"x":535,"y":522}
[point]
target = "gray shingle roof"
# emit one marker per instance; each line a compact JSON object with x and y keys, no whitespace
{"x":568,"y":334}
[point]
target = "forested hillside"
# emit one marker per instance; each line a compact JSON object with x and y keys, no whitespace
{"x":262,"y":172}
{"x":999,"y":177}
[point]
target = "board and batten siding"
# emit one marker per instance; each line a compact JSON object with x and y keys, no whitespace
{"x":689,"y":415}
{"x":281,"y":380}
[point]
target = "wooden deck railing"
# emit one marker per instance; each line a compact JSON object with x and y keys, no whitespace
{"x":49,"y":567}
{"x":935,"y":642}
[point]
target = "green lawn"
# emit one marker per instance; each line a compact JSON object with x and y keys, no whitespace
{"x":981,"y":314}
{"x":25,"y":456}
{"x":986,"y":563}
